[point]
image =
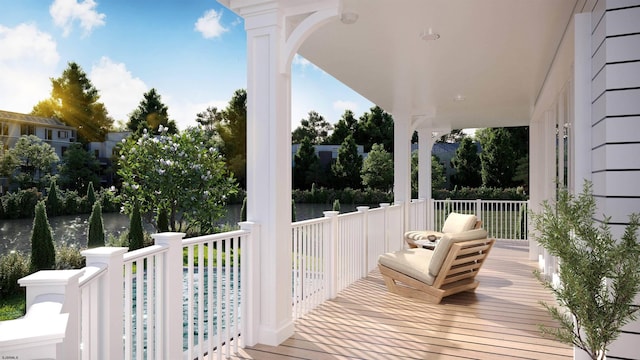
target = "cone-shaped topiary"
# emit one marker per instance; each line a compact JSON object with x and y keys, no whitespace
{"x":336,"y":205}
{"x":95,"y":235}
{"x":243,"y":210}
{"x":136,"y":234}
{"x":54,"y":205}
{"x":43,"y":254}
{"x":163,"y":220}
{"x":91,"y":195}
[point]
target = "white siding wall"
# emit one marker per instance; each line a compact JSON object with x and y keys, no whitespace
{"x":615,"y":134}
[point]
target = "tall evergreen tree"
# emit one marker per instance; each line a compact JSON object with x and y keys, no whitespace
{"x":95,"y":233}
{"x":376,"y":128}
{"x":346,"y":169}
{"x":498,"y":158}
{"x":91,"y":195}
{"x":43,"y":254}
{"x":54,"y":205}
{"x":136,"y":234}
{"x":233,"y":132}
{"x":150,"y":114}
{"x":347,"y":125}
{"x":74,"y":100}
{"x":306,"y":166}
{"x":467,"y":164}
{"x":315,"y":128}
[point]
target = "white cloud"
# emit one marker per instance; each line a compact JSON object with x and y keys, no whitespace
{"x":66,"y":12}
{"x":28,"y":59}
{"x":342,"y":105}
{"x":209,"y":25}
{"x":120,"y":91}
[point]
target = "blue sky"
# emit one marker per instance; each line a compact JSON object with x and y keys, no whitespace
{"x":193,"y":52}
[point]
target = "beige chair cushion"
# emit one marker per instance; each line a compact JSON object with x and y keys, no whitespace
{"x":441,"y":251}
{"x":411,"y":262}
{"x":456,"y":222}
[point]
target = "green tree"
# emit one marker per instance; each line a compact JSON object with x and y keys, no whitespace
{"x":36,"y":160}
{"x":376,"y":128}
{"x":162,"y":219}
{"x":8,"y":163}
{"x":43,"y":254}
{"x":306,"y":166}
{"x":91,"y":195}
{"x":315,"y":128}
{"x":600,"y":275}
{"x":522,"y":172}
{"x":346,"y":169}
{"x":74,"y":100}
{"x":233,"y":132}
{"x":467,"y":164}
{"x":54,"y":205}
{"x":78,"y":169}
{"x":176,"y":173}
{"x":498,"y":158}
{"x":95,"y":233}
{"x":136,"y":234}
{"x":151,"y":114}
{"x":377,"y":169}
{"x":347,"y":125}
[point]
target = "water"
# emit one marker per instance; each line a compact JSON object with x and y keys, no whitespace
{"x":72,"y":229}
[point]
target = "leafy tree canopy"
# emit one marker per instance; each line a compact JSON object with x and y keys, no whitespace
{"x":347,"y":125}
{"x":306,"y":168}
{"x":74,"y":100}
{"x":376,"y":128}
{"x":79,"y":168}
{"x":177,"y":173}
{"x":346,"y":169}
{"x":467,"y":164}
{"x":455,"y":136}
{"x":150,"y":114}
{"x":377,"y":169}
{"x":36,"y":161}
{"x":498,"y":158}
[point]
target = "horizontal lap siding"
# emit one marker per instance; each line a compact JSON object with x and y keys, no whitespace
{"x":615,"y":95}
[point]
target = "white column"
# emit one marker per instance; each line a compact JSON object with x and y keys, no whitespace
{"x":111,"y":320}
{"x":581,"y":124}
{"x":402,"y":161}
{"x":172,"y":336}
{"x":269,"y":167}
{"x":425,"y":145}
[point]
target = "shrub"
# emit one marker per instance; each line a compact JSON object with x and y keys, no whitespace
{"x":13,"y":266}
{"x":336,"y":205}
{"x":163,"y":220}
{"x":91,"y":195}
{"x":95,"y":233}
{"x":108,"y":201}
{"x":71,"y":202}
{"x":43,"y":254}
{"x":69,"y":257}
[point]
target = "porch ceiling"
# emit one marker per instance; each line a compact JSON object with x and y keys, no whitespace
{"x":494,"y":53}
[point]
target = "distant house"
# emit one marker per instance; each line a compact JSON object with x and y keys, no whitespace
{"x":104,"y":152}
{"x":53,"y":131}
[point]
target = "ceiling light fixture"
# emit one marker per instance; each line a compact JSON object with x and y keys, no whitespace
{"x":429,"y":35}
{"x":349,"y":18}
{"x":459,"y":98}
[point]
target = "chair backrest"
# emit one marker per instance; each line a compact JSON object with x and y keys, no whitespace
{"x":457,"y":222}
{"x":444,"y":245}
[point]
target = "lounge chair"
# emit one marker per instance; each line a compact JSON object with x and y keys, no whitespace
{"x":431,"y":275}
{"x":454,"y":223}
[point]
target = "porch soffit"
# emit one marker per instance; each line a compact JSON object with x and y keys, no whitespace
{"x":494,"y":53}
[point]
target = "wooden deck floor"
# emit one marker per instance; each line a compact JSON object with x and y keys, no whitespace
{"x":499,"y":321}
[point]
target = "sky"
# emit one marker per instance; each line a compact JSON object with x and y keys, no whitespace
{"x":192,"y":52}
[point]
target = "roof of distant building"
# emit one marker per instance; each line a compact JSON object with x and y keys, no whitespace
{"x":27,"y":118}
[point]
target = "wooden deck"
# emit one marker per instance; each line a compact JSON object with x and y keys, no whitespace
{"x":499,"y":321}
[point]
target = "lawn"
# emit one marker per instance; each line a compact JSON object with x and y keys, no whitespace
{"x":12,"y":306}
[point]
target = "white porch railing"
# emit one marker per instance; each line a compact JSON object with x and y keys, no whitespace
{"x":126,"y":305}
{"x":331,"y":253}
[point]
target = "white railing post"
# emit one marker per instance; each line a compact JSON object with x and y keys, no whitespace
{"x":330,"y":264}
{"x":65,"y":283}
{"x":365,"y":238}
{"x":172,"y":312}
{"x":250,"y":284}
{"x":111,"y":321}
{"x":431,"y":211}
{"x":385,"y":206}
{"x":479,"y":209}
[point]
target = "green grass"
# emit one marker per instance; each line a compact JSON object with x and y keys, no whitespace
{"x":185,"y":256}
{"x":12,"y":306}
